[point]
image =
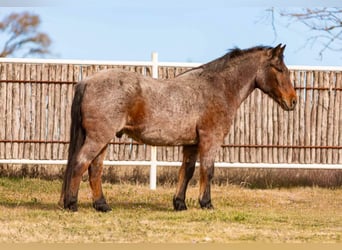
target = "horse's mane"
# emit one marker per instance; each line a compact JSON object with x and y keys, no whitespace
{"x":222,"y":62}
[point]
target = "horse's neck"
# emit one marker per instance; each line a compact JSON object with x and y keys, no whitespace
{"x":241,"y":81}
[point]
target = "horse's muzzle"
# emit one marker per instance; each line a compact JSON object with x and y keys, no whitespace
{"x":289,"y":104}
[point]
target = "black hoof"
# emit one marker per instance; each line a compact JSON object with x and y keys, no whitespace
{"x":206,"y":204}
{"x":71,"y":205}
{"x":179,"y":205}
{"x":101,"y":205}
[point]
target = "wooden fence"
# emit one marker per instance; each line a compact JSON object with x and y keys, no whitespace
{"x":36,"y":96}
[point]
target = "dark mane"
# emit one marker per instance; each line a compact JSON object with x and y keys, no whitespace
{"x":234,"y":53}
{"x":221,"y":62}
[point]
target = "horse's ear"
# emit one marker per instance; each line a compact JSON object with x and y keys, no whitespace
{"x":276,"y":52}
{"x":278,"y":47}
{"x":282,"y":49}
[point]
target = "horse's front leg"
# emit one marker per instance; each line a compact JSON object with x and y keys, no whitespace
{"x":185,"y":174}
{"x":208,"y":148}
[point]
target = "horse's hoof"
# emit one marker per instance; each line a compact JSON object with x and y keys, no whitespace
{"x":102,"y":207}
{"x":71,"y":205}
{"x":206,"y":205}
{"x":179,"y":205}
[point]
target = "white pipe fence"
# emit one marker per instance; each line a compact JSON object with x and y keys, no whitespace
{"x":154,"y":163}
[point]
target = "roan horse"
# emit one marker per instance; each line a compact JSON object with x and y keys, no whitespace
{"x":195,"y":110}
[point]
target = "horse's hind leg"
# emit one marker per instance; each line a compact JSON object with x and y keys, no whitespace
{"x":185,"y":174}
{"x":95,"y":173}
{"x":81,"y":163}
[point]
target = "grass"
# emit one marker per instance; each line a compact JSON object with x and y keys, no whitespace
{"x":29,"y":213}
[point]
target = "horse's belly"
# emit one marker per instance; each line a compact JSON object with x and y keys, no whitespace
{"x":162,"y":136}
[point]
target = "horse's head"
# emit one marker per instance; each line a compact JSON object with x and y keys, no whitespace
{"x":273,"y":78}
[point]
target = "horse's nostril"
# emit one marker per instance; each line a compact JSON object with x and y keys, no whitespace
{"x":294,"y":102}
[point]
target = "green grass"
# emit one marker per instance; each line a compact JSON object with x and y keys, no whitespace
{"x":29,"y":213}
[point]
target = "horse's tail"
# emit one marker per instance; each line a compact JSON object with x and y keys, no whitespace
{"x":77,"y":137}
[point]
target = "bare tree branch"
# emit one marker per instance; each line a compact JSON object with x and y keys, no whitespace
{"x":325,"y":25}
{"x":269,"y":18}
{"x":20,"y":29}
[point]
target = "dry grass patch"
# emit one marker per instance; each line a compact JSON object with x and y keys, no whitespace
{"x":29,"y":213}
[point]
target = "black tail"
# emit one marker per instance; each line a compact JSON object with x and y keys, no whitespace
{"x":77,"y":137}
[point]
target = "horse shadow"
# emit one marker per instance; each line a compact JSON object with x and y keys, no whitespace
{"x":38,"y":205}
{"x":30,"y":205}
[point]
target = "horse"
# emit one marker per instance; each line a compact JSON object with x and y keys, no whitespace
{"x":194,"y":110}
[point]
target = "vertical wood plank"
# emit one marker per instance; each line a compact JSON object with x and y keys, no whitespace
{"x":314,"y":109}
{"x":319,"y":119}
{"x":231,"y":142}
{"x":8,"y":111}
{"x":20,"y":75}
{"x":270,"y":122}
{"x":338,"y":120}
{"x":276,"y":128}
{"x":264,"y":122}
{"x":33,"y":111}
{"x":252,"y":126}
{"x":308,"y":102}
{"x":15,"y":74}
{"x":331,"y":83}
{"x":39,"y":103}
{"x":289,"y":140}
{"x":246,"y":130}
{"x":283,"y":123}
{"x":28,"y":112}
{"x":3,"y":97}
{"x":56,"y":112}
{"x":242,"y":141}
{"x":44,"y":110}
{"x":325,"y":121}
{"x":62,"y":76}
{"x":258,"y":128}
{"x":50,"y":112}
{"x":301,"y":117}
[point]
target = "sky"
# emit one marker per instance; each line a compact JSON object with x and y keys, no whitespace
{"x":179,"y":31}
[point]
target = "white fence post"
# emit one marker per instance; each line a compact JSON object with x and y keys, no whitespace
{"x":153,"y":169}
